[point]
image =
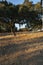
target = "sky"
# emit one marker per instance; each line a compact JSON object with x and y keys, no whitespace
{"x":21,"y":1}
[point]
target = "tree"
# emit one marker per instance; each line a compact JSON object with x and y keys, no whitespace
{"x":21,"y":14}
{"x":37,"y":7}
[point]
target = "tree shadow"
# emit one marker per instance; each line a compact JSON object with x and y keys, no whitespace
{"x":33,"y":58}
{"x":12,"y":48}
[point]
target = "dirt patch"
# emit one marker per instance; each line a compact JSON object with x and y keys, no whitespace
{"x":25,"y":49}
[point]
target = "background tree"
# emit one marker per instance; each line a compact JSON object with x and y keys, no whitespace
{"x":21,"y":14}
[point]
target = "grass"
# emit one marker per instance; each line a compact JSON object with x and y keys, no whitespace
{"x":22,"y":49}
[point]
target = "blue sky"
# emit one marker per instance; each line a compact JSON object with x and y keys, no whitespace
{"x":21,"y":1}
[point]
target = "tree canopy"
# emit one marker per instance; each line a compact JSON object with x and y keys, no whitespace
{"x":22,"y":13}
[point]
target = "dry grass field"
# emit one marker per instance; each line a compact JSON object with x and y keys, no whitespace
{"x":22,"y":49}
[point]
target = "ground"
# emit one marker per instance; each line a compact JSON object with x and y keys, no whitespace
{"x":22,"y":49}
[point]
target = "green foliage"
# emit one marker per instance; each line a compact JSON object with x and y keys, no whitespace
{"x":24,"y":13}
